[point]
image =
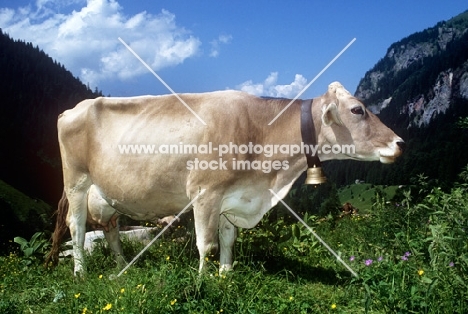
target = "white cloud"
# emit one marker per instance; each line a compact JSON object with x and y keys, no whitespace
{"x":271,"y":89}
{"x":225,"y":39}
{"x":86,"y":40}
{"x":215,"y":44}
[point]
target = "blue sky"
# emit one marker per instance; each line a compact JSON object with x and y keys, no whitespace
{"x":271,"y":48}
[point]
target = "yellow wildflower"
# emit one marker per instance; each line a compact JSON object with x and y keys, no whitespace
{"x":420,"y":272}
{"x":85,"y":310}
{"x":122,"y":290}
{"x":107,"y":307}
{"x":173,"y":301}
{"x":168,"y":258}
{"x":333,"y":306}
{"x":100,"y":276}
{"x":291,"y":298}
{"x":77,"y":295}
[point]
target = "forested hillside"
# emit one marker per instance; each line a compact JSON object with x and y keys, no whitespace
{"x":420,"y":90}
{"x":34,"y":90}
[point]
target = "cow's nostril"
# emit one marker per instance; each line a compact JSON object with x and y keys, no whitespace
{"x":401,"y":145}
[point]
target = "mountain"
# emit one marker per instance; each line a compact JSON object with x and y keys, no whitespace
{"x":35,"y":89}
{"x":422,"y":74}
{"x":420,"y":90}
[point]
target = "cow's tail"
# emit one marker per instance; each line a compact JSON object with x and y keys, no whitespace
{"x":60,"y":230}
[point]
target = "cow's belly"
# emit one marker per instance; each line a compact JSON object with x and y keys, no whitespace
{"x":144,"y":197}
{"x":150,"y":209}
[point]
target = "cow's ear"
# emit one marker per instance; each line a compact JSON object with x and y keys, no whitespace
{"x":330,"y":115}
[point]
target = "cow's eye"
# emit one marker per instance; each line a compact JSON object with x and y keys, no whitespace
{"x":357,"y":110}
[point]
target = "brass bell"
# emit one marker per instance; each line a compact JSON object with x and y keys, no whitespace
{"x":315,"y":176}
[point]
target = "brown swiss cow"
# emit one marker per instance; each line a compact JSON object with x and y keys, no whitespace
{"x":148,"y":157}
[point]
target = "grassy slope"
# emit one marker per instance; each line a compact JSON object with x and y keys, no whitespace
{"x":21,"y":204}
{"x":20,"y":215}
{"x":361,"y":195}
{"x":166,"y":280}
{"x":392,"y":250}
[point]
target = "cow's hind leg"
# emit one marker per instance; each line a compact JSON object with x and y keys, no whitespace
{"x":102,"y":213}
{"x":113,"y":238}
{"x":227,"y":237}
{"x":76,"y":219}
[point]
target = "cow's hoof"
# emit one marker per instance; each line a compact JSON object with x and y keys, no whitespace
{"x":226,"y":268}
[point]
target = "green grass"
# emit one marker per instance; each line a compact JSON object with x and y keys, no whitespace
{"x":410,"y":258}
{"x":166,"y":280}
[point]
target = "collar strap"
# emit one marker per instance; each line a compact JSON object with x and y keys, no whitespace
{"x":308,"y":132}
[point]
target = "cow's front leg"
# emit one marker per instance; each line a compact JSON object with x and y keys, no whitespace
{"x":227,"y":237}
{"x":206,"y":229}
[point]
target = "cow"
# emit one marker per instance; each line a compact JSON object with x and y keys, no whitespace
{"x":101,"y":182}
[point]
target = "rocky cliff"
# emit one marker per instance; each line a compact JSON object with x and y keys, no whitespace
{"x":421,"y":75}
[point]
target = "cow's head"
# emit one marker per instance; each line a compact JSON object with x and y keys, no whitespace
{"x":346,"y":121}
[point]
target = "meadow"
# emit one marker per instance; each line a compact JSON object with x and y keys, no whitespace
{"x":409,"y":249}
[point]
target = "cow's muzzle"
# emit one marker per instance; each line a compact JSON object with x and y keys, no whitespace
{"x":388,"y":156}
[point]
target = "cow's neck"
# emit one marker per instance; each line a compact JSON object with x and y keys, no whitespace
{"x":288,"y":131}
{"x":308,"y":133}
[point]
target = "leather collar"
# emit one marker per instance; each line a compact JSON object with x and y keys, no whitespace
{"x":308,"y":132}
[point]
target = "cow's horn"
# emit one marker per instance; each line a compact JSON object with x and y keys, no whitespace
{"x":315,"y":176}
